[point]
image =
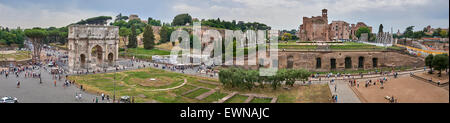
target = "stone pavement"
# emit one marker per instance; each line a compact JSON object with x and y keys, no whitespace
{"x":31,"y":91}
{"x":344,"y":93}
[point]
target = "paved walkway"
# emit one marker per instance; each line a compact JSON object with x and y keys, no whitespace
{"x":344,"y":93}
{"x":31,"y":91}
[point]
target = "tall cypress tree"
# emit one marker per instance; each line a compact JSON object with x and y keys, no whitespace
{"x":380,"y":29}
{"x":149,"y":38}
{"x":132,"y":40}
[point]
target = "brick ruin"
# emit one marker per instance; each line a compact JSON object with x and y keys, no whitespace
{"x":341,"y":60}
{"x":317,"y":28}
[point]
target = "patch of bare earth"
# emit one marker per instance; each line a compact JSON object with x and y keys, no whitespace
{"x":444,"y":78}
{"x":406,"y":90}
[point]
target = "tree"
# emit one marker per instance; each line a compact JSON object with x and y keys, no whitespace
{"x":124,"y":32}
{"x":444,"y":34}
{"x":286,"y":37}
{"x":429,"y":62}
{"x":120,"y":24}
{"x":437,"y":32}
{"x":362,"y":30}
{"x":440,"y":62}
{"x":100,"y":20}
{"x":418,"y":34}
{"x":165,"y":33}
{"x":63,"y":37}
{"x":132,"y":40}
{"x":380,"y":29}
{"x":36,"y":36}
{"x":409,"y":32}
{"x":181,"y":20}
{"x":120,"y":17}
{"x":153,"y":22}
{"x":12,"y":36}
{"x":149,"y":38}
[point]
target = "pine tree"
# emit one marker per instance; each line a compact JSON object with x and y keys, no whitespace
{"x":132,"y":40}
{"x":149,"y":38}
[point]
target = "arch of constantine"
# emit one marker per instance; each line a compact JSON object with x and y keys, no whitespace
{"x":92,"y":47}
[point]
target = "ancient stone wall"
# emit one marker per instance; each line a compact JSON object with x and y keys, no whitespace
{"x":308,"y":60}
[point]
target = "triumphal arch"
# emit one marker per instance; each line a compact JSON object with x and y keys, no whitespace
{"x":92,"y":47}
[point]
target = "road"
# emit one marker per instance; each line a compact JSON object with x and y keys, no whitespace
{"x":31,"y":91}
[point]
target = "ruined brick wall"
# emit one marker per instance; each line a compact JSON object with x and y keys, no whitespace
{"x":339,"y":30}
{"x":314,"y":29}
{"x":355,"y":28}
{"x":307,"y":60}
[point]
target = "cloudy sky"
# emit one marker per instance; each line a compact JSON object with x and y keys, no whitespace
{"x":279,"y":14}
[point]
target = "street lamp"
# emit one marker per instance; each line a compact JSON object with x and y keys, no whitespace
{"x":114,"y":81}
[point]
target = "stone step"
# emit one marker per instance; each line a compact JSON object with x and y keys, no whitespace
{"x":250,"y":98}
{"x":227,"y":97}
{"x":208,"y":82}
{"x":187,"y":92}
{"x":274,"y":100}
{"x":204,"y":95}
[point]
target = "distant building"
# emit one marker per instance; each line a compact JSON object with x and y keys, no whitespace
{"x":317,"y":28}
{"x":399,"y":33}
{"x":340,"y":30}
{"x":133,"y":17}
{"x":430,"y":30}
{"x":355,"y":28}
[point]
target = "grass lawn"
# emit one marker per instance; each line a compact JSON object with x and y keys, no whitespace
{"x":18,"y":56}
{"x":356,"y":46}
{"x":314,"y":94}
{"x":215,"y":97}
{"x":166,"y":46}
{"x":134,"y":83}
{"x":300,"y":47}
{"x":183,"y":89}
{"x":137,"y":83}
{"x":143,"y":53}
{"x":196,"y":93}
{"x":261,"y":100}
{"x":237,"y":99}
{"x":296,"y":94}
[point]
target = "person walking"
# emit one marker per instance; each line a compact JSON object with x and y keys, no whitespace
{"x":335,"y":88}
{"x":336,"y":98}
{"x":18,"y":84}
{"x":103,"y":96}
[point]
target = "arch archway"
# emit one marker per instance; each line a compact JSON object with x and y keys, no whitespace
{"x":318,"y":63}
{"x":375,"y":62}
{"x":361,"y":62}
{"x":110,"y":58}
{"x":97,"y":52}
{"x":333,"y":63}
{"x":83,"y":61}
{"x":348,"y":63}
{"x":290,"y":62}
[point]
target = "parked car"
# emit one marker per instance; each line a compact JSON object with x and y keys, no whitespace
{"x":9,"y":100}
{"x":125,"y":99}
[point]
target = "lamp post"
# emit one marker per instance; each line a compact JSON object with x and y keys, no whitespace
{"x":114,"y":81}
